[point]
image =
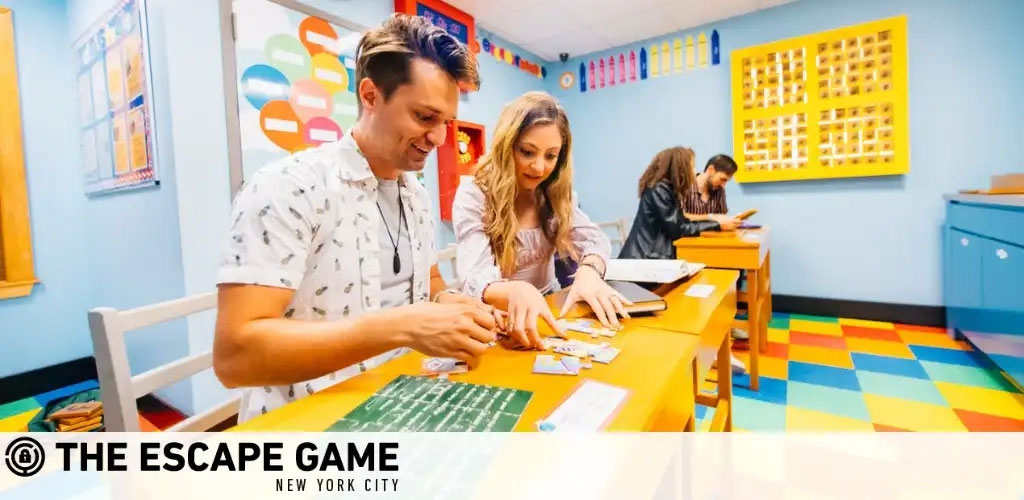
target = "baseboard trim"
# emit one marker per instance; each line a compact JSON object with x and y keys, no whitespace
{"x":41,"y":380}
{"x":877,"y":311}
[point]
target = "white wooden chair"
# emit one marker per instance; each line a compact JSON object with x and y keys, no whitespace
{"x":620,"y":231}
{"x":450,"y":255}
{"x":119,"y":389}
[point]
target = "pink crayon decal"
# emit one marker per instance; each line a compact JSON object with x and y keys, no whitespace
{"x":632,"y":66}
{"x":593,"y":76}
{"x":611,"y":70}
{"x":601,"y":64}
{"x":622,"y":68}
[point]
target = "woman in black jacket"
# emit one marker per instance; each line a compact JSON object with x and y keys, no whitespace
{"x":659,"y":219}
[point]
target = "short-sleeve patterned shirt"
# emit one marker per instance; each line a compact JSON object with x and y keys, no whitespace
{"x":309,"y":222}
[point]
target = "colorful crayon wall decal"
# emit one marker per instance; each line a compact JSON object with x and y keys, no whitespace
{"x":611,"y":70}
{"x":666,"y":61}
{"x":652,"y":67}
{"x":583,"y":77}
{"x":690,"y":56}
{"x":643,"y":63}
{"x":716,"y":57}
{"x":592,"y":76}
{"x":506,"y":56}
{"x":622,"y":68}
{"x":702,"y":50}
{"x":600,"y":65}
{"x":677,"y":56}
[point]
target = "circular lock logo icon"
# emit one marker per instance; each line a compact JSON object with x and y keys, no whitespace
{"x":25,"y":456}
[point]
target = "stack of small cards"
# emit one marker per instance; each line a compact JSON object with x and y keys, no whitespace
{"x":442,"y":367}
{"x":589,"y":327}
{"x":574,"y":355}
{"x":78,"y":417}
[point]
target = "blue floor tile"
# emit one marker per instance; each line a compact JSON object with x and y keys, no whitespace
{"x":701,"y":411}
{"x":829,"y":376}
{"x":949,"y":356}
{"x":886,"y":364}
{"x":772,"y":390}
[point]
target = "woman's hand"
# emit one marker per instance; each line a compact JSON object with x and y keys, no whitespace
{"x":606,"y":303}
{"x":525,"y":306}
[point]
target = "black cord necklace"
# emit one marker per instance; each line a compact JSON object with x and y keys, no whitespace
{"x":396,"y":263}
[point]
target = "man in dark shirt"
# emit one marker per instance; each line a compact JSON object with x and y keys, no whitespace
{"x":707,"y":197}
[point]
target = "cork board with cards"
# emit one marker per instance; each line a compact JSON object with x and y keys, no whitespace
{"x":827,"y":105}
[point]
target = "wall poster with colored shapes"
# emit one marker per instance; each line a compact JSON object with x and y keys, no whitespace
{"x":115,"y":112}
{"x":295,"y":80}
{"x":827,"y":105}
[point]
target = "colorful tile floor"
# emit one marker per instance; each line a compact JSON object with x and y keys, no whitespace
{"x":818,"y":374}
{"x":15,"y":416}
{"x":839,"y":374}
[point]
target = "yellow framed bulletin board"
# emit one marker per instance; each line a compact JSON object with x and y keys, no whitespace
{"x":828,"y":105}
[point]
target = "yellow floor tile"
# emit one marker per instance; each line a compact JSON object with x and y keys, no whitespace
{"x":778,"y":335}
{"x":19,"y":422}
{"x":879,"y":347}
{"x":802,"y":325}
{"x":770,"y":366}
{"x":982,"y":400}
{"x":820,"y":356}
{"x":931,"y":340}
{"x":912,"y":415}
{"x":883,"y":325}
{"x":799,"y":419}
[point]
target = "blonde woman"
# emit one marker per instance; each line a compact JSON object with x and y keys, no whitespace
{"x":518,"y":211}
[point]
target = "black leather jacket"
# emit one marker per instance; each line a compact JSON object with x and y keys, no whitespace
{"x":658,"y":223}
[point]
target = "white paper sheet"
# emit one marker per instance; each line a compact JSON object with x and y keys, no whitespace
{"x":700,"y":291}
{"x":588,"y":409}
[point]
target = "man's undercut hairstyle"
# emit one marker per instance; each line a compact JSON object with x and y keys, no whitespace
{"x":385,"y":54}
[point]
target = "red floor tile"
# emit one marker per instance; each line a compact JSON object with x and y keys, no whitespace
{"x":871,"y":333}
{"x":918,"y":328}
{"x":888,"y":428}
{"x":777,"y":350}
{"x":811,"y":339}
{"x":981,"y":422}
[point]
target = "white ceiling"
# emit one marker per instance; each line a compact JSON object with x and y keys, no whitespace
{"x":550,"y":27}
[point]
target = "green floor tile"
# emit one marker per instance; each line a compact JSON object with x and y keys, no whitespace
{"x":910,"y":388}
{"x":822,"y":319}
{"x":16,"y":407}
{"x":828,"y":399}
{"x":754,"y":415}
{"x":781,"y":323}
{"x":967,"y":375}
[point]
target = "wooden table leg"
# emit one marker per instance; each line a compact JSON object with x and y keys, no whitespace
{"x":725,"y":383}
{"x":754,"y":325}
{"x":691,"y":423}
{"x":767,"y":295}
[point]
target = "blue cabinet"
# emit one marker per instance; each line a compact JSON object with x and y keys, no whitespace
{"x":984,"y":276}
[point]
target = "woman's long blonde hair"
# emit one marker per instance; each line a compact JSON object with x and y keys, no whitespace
{"x":496,"y":177}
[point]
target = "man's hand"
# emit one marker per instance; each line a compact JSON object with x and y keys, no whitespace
{"x":458,"y":331}
{"x":729,"y":224}
{"x":500,"y":318}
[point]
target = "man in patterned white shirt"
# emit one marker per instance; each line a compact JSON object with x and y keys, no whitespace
{"x":327,"y":268}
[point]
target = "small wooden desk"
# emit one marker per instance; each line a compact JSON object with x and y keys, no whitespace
{"x":710,"y":319}
{"x":748,"y":251}
{"x":654,"y":366}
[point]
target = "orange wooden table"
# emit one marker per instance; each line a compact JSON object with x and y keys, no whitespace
{"x":746,"y":250}
{"x":710,"y":319}
{"x":654,"y":365}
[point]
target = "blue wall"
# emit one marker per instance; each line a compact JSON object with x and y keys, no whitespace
{"x":873,"y":239}
{"x":41,"y":329}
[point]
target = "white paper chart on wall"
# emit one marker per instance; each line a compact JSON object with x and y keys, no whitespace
{"x":294,"y":80}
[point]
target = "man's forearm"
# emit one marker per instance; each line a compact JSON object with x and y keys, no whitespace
{"x":278,"y":351}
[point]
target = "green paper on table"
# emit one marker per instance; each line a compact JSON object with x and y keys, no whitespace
{"x":421,"y":404}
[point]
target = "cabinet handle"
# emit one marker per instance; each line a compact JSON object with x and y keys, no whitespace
{"x":1002,"y":253}
{"x":965,"y":242}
